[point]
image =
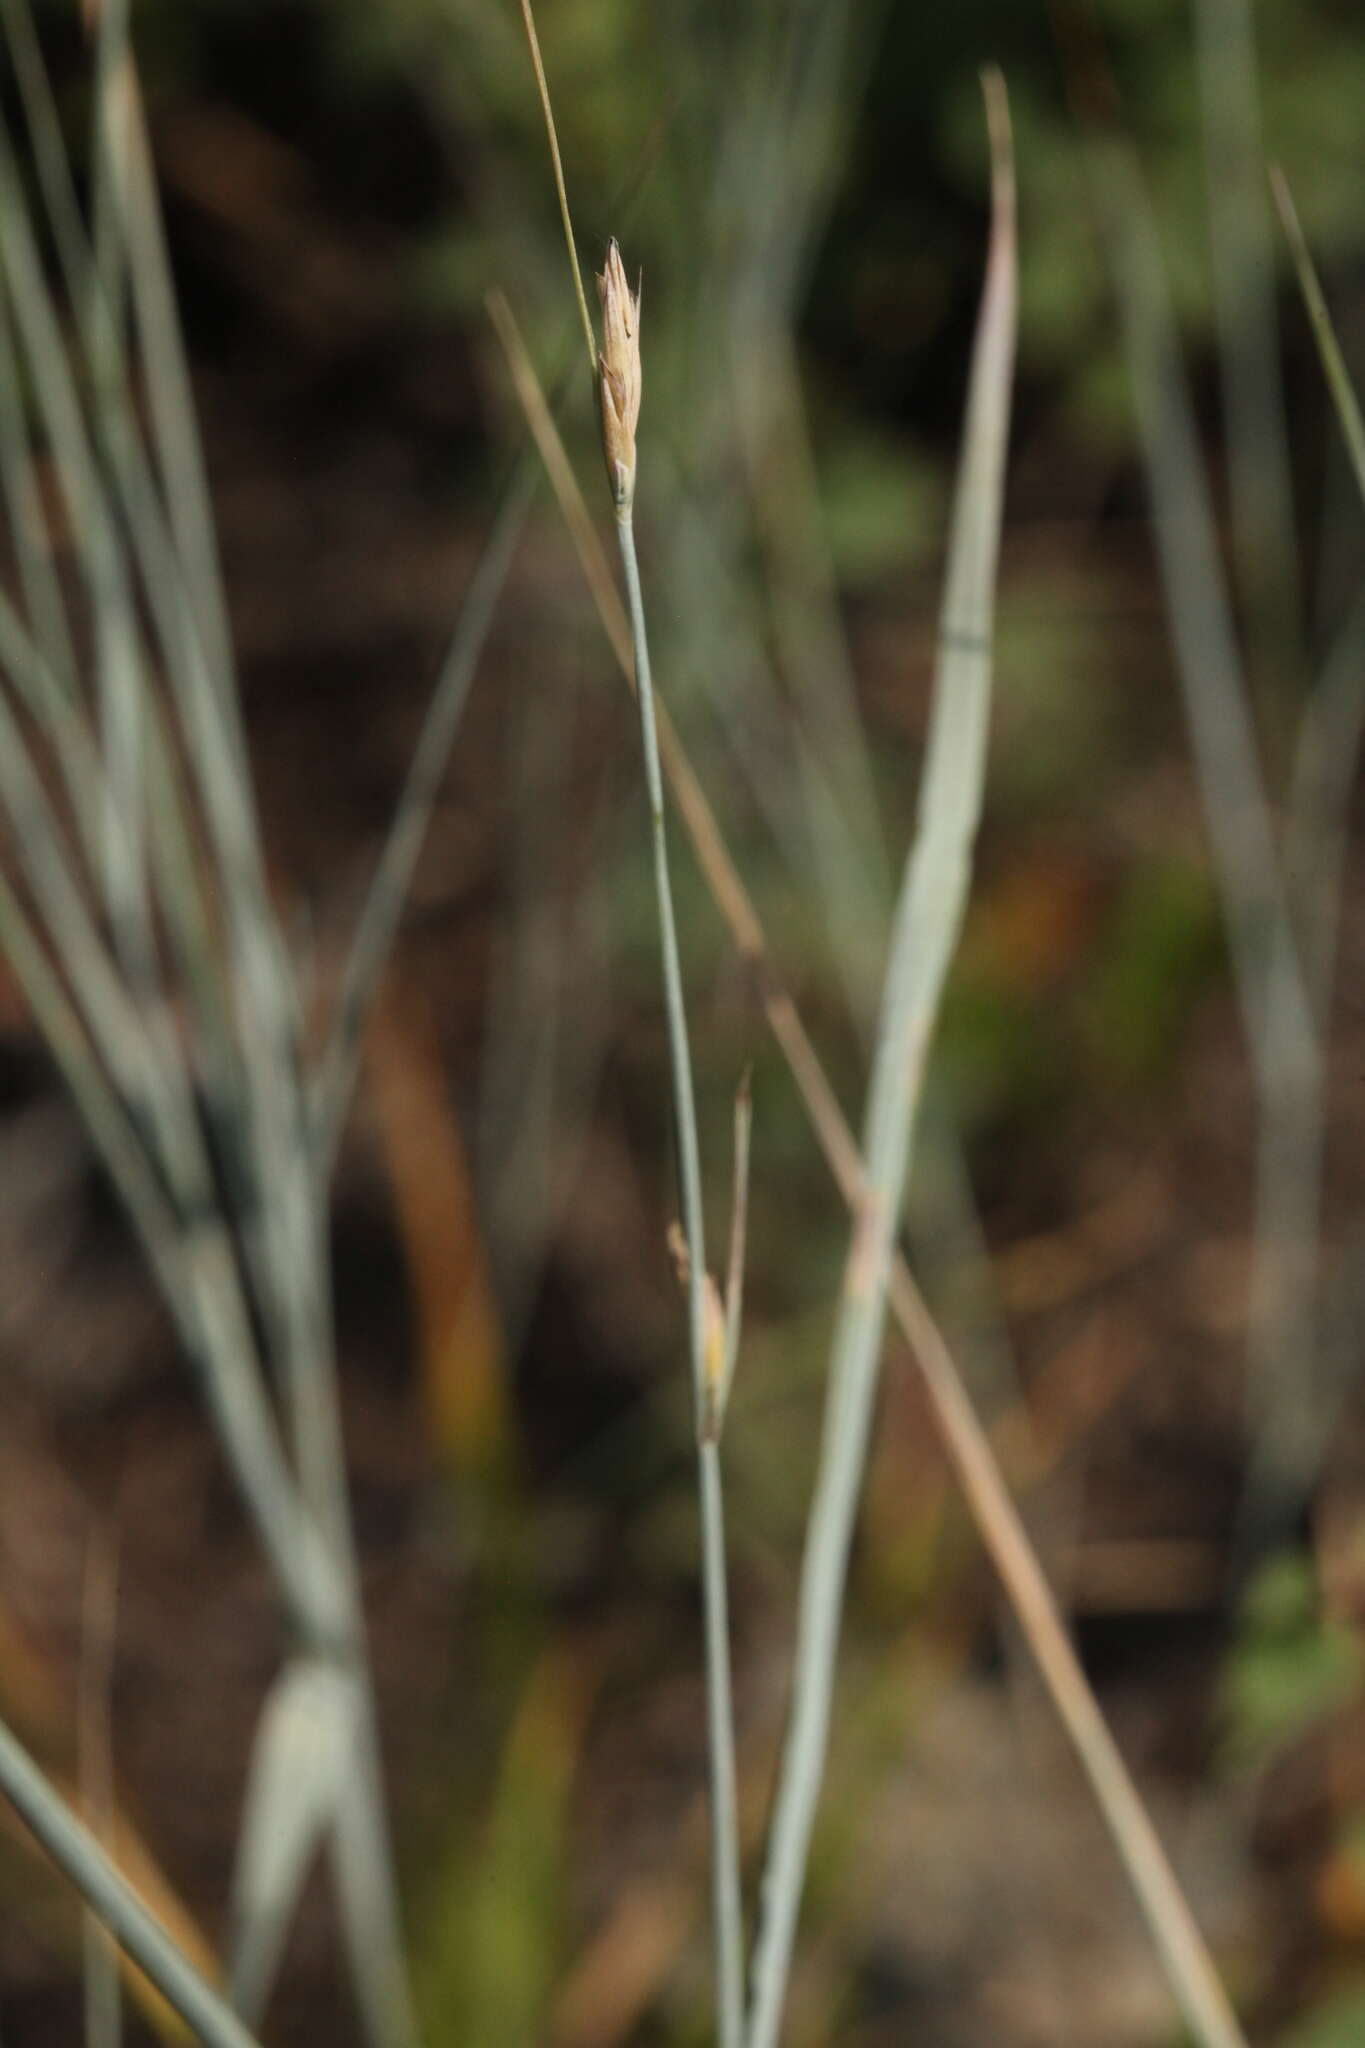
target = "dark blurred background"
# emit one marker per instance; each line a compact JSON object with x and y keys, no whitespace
{"x":343,"y":184}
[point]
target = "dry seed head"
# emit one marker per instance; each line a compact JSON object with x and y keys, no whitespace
{"x":619,"y":376}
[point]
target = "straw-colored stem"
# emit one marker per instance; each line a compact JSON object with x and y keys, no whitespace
{"x":1174,"y":1931}
{"x":79,"y":1856}
{"x":724,"y":1825}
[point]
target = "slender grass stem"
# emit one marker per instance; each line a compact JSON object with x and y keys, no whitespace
{"x":728,"y":1904}
{"x":729,"y":1933}
{"x":103,"y":1999}
{"x":1260,"y":489}
{"x":724,"y":1821}
{"x":1324,"y":334}
{"x":684,"y":1105}
{"x":79,"y":1856}
{"x":1176,"y":1936}
{"x":1283,"y":1041}
{"x":372,"y":940}
{"x":561,"y":189}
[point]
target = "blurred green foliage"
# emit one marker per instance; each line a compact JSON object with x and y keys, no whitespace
{"x":491,"y":1941}
{"x":1338,"y":2023}
{"x":1155,"y":956}
{"x":1290,"y":1664}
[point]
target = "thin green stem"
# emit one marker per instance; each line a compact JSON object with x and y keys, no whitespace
{"x":720,"y":1715}
{"x":542,"y":85}
{"x":79,"y":1856}
{"x":1260,"y":488}
{"x":372,"y":940}
{"x":1329,"y":350}
{"x":727,"y":1902}
{"x":684,"y":1106}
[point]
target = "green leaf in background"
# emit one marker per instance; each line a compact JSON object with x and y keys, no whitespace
{"x":1156,"y":955}
{"x":492,"y":1941}
{"x":1340,"y":2023}
{"x":881,"y":504}
{"x":1000,"y":1055}
{"x":1290,"y":1666}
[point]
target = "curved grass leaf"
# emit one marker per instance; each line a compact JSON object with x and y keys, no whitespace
{"x":929,"y":916}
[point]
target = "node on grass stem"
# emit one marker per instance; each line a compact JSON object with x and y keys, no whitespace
{"x":715,"y":1338}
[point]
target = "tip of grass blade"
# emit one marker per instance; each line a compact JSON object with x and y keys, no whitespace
{"x":1279,"y":187}
{"x":1000,"y":131}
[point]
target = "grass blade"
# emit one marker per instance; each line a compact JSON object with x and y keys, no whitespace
{"x":1317,"y":820}
{"x":932,"y":905}
{"x":1331,"y":730}
{"x":728,"y":1904}
{"x":211,"y":1314}
{"x":197,"y":1283}
{"x":120,"y":683}
{"x":132,"y":718}
{"x":28,"y":527}
{"x":367,"y":1898}
{"x":374,"y":933}
{"x":1324,"y":333}
{"x":49,"y":150}
{"x":112,"y":58}
{"x":1277,"y":1012}
{"x":303,"y":1746}
{"x":100,"y":1970}
{"x":167,"y":380}
{"x":1261,"y":499}
{"x":79,"y":1856}
{"x":1238,"y":815}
